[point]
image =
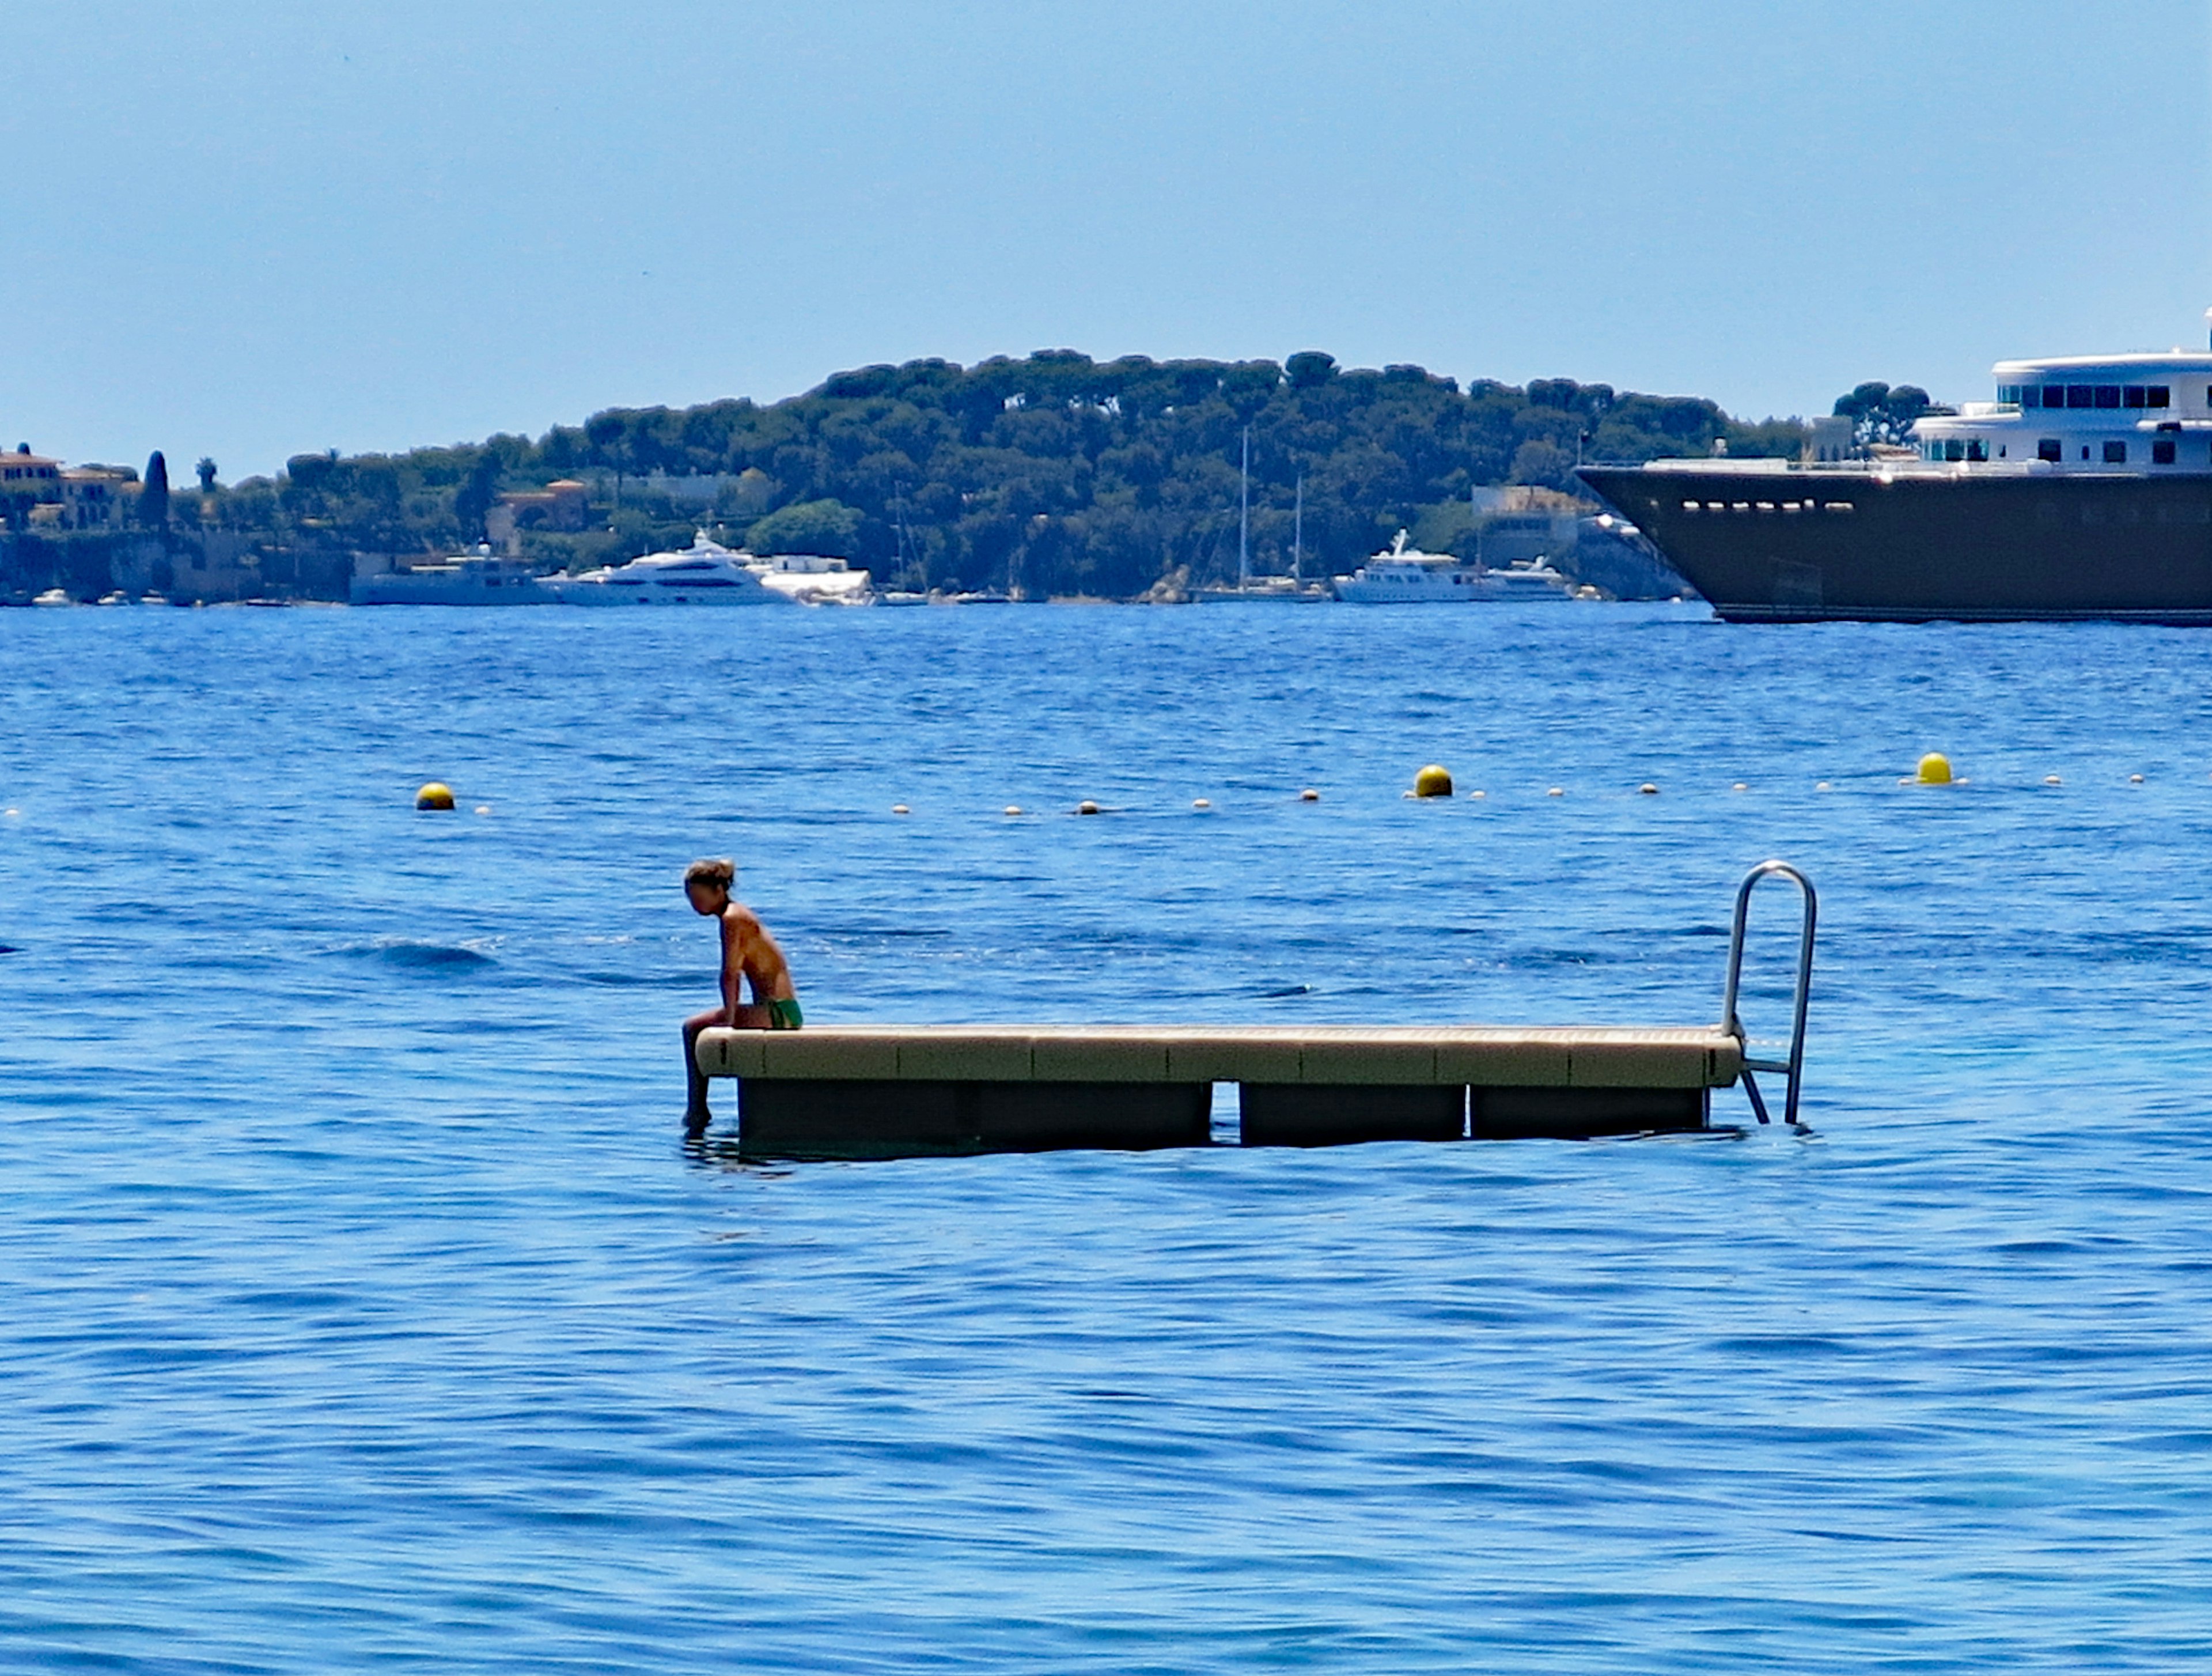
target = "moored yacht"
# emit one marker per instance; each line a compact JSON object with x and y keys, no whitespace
{"x":2083,"y":491}
{"x":1407,"y":576}
{"x":480,"y":578}
{"x":706,"y":573}
{"x":1528,"y":579}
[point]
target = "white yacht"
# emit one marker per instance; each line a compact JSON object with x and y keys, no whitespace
{"x":1527,"y":579}
{"x":480,"y":578}
{"x":706,"y":573}
{"x":1407,"y":576}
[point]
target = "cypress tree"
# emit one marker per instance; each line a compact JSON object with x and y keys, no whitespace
{"x":154,"y":502}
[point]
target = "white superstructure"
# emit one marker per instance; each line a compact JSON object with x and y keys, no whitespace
{"x":2098,"y":413}
{"x":706,"y":573}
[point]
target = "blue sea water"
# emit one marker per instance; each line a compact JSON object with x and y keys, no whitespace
{"x":363,"y":1308}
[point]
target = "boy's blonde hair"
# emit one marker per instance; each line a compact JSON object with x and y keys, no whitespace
{"x":723,"y":874}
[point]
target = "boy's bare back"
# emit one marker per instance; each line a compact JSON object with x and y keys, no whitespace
{"x":750,"y":952}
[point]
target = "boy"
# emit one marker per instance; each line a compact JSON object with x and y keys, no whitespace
{"x":748,"y":952}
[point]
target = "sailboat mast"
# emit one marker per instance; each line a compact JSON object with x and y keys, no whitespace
{"x":1298,"y":536}
{"x":1244,"y":515}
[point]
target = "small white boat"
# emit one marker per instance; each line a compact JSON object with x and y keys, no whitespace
{"x":813,"y":579}
{"x":54,"y":596}
{"x":1528,"y":579}
{"x":117,"y":598}
{"x":706,"y":573}
{"x":901,"y":596}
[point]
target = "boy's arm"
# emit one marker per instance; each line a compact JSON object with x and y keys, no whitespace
{"x":733,"y":966}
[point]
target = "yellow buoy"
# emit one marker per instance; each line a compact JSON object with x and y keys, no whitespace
{"x":434,"y":796}
{"x":1310,"y":795}
{"x":1934,"y":769}
{"x":1086,"y":807}
{"x":1434,"y":781}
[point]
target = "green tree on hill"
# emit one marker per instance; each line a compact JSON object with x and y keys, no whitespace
{"x":825,"y":526}
{"x":1881,"y":413}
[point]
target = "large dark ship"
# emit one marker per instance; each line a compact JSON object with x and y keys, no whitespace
{"x":2084,"y":490}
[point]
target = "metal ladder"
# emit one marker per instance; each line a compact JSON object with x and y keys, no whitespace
{"x":1793,"y":1067}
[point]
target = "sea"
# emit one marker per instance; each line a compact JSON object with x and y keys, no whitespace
{"x":366,"y":1309}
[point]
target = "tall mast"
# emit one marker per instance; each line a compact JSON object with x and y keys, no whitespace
{"x":1244,"y":515}
{"x":1298,"y":536}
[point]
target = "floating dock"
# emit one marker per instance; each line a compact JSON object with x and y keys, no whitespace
{"x":905,"y":1090}
{"x":898,"y":1091}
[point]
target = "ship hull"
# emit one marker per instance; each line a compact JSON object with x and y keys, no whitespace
{"x":398,"y":588}
{"x":1825,"y":545}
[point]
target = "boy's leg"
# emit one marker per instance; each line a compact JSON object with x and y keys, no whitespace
{"x":696,"y":1113}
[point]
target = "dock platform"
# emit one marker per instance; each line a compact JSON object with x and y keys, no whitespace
{"x":899,"y":1091}
{"x":907,"y":1090}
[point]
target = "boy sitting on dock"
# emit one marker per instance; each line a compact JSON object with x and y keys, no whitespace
{"x":748,"y":954}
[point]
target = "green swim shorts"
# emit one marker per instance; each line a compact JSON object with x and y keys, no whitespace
{"x":784,"y":1014}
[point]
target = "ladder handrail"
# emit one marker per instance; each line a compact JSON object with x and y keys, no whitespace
{"x":1793,"y":1068}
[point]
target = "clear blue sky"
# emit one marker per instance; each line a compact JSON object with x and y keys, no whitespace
{"x":250,"y":230}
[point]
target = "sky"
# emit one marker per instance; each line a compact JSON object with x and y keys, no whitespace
{"x":254,"y":231}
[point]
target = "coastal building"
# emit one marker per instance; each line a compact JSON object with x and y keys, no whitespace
{"x":23,"y":473}
{"x":563,"y":504}
{"x":94,"y":496}
{"x":1829,"y":441}
{"x":1519,"y":524}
